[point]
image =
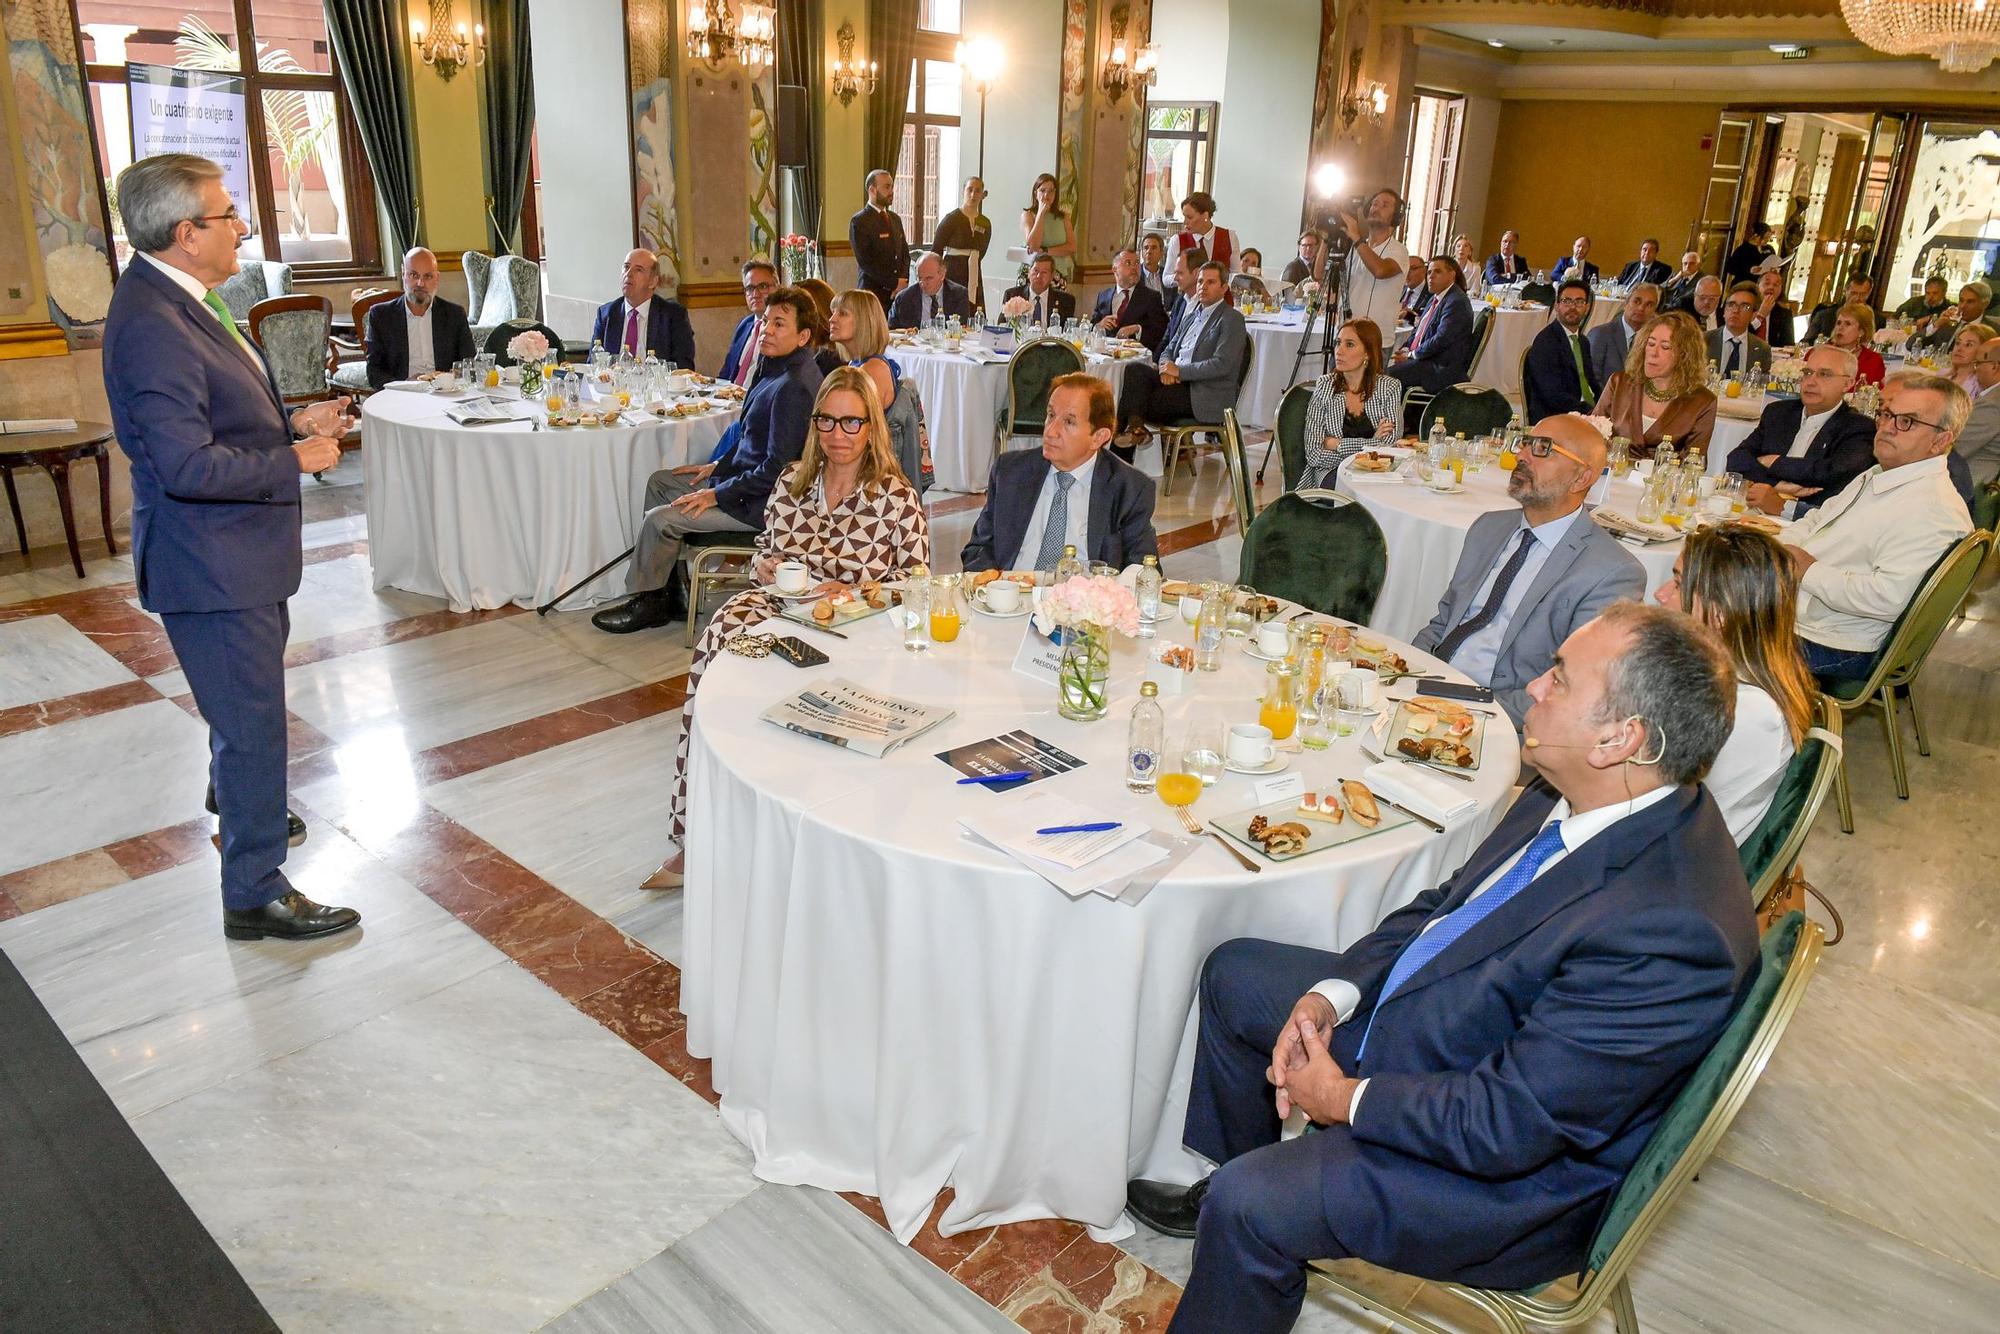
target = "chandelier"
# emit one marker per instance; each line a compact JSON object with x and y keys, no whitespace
{"x":1963,"y":35}
{"x":714,"y":34}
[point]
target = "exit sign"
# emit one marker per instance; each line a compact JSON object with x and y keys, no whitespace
{"x":1796,"y":53}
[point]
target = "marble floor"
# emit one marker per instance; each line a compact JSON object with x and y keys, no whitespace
{"x":517,"y":1137}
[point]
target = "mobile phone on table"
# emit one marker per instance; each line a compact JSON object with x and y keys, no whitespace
{"x":797,"y":652}
{"x":1443,"y":689}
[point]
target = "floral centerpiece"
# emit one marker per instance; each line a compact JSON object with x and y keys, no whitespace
{"x":529,"y":349}
{"x":799,"y":258}
{"x":1087,"y":608}
{"x":1016,"y":309}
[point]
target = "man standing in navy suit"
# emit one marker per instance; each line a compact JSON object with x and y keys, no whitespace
{"x":1487,"y":1064}
{"x":216,"y":461}
{"x":641,"y":320}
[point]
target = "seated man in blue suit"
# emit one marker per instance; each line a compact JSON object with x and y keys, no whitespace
{"x":930,"y":296}
{"x":1487,"y":1064}
{"x":419,"y":331}
{"x":1558,"y":375}
{"x":1576,"y":263}
{"x":760,"y":279}
{"x":1526,"y":579}
{"x":1128,"y":308}
{"x":1509,"y":266}
{"x":1648,"y":268}
{"x":1440,"y":350}
{"x":1805,"y":449}
{"x":642,"y":321}
{"x":1071,"y":493}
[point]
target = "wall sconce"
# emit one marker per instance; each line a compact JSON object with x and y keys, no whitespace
{"x":715,"y":34}
{"x":1368,"y":105}
{"x":850,"y":76}
{"x":1121,"y":73}
{"x":447,"y":49}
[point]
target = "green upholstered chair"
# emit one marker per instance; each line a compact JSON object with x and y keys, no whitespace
{"x":296,"y":334}
{"x":1288,"y":433}
{"x":1469,"y":410}
{"x":1986,"y":507}
{"x":1902,"y":657}
{"x":1774,"y":845}
{"x":1694,"y":1124}
{"x":1031,"y":372}
{"x":1188,"y":434}
{"x":1320,"y":550}
{"x":496,"y":341}
{"x":1482,"y":329}
{"x":1542,"y":292}
{"x":1242,"y":492}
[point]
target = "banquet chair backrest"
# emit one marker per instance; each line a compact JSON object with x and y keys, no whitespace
{"x":1774,"y":845}
{"x":296,"y":333}
{"x":1532,"y":409}
{"x":1290,"y":429}
{"x":365,"y":300}
{"x":515,"y":292}
{"x":1542,"y":292}
{"x":496,"y":342}
{"x":478,"y":266}
{"x":1031,"y":373}
{"x":1482,"y":329}
{"x":1332,"y":558}
{"x":1242,"y":494}
{"x":1468,"y":409}
{"x":255,"y":280}
{"x":906,"y":429}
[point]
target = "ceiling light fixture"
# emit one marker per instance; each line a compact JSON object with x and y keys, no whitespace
{"x":1963,"y":36}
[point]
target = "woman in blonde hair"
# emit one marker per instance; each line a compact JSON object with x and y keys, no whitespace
{"x":846,"y":512}
{"x":1663,"y":390}
{"x":1739,"y":583}
{"x":859,"y":333}
{"x":1854,"y":331}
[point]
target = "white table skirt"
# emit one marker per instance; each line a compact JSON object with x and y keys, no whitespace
{"x":490,"y":515}
{"x":1426,"y":532}
{"x":1735,"y":418}
{"x":1499,"y":364}
{"x":1274,"y":340}
{"x":892,"y":1009}
{"x":962,"y":400}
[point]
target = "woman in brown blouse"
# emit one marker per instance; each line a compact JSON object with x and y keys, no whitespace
{"x":1663,"y":390}
{"x":844,"y":509}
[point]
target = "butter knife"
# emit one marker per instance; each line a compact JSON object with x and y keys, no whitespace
{"x":1420,"y":819}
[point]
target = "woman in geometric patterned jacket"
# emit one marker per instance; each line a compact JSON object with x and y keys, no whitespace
{"x":844,"y":509}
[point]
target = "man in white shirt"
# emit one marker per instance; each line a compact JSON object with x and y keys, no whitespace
{"x":1979,"y":443}
{"x":1487,"y":1064}
{"x":1804,"y":450}
{"x":1153,"y":263}
{"x":1733,"y":348}
{"x":1862,"y":555}
{"x":1372,"y":282}
{"x":418,"y":333}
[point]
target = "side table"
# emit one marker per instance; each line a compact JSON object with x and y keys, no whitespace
{"x":53,"y":452}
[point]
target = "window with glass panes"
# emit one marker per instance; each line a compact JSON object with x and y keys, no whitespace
{"x":313,"y":206}
{"x":1180,"y":155}
{"x":927,"y":168}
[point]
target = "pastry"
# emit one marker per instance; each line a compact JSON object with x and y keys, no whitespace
{"x":1179,"y":656}
{"x":1259,"y":826}
{"x":1179,"y":588}
{"x":872,"y":594}
{"x":1286,"y":839}
{"x":822,"y":611}
{"x":1361,"y":802}
{"x":1370,"y":461}
{"x":1763,"y":523}
{"x":1418,"y":720}
{"x":1313,"y":806}
{"x":983,"y":578}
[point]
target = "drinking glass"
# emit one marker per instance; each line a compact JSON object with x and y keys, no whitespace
{"x":944,"y":612}
{"x":1216,"y":605}
{"x":1190,"y":609}
{"x":1202,"y":755}
{"x":1239,"y":622}
{"x":1737,"y":488}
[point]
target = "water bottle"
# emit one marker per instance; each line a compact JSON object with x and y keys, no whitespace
{"x":1147,"y":589}
{"x":1435,"y":445}
{"x":1143,"y":740}
{"x":1069,"y":567}
{"x":600,"y":360}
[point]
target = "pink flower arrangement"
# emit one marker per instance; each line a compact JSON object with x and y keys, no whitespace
{"x":1097,"y":601}
{"x":1016,"y":307}
{"x":530,"y":345}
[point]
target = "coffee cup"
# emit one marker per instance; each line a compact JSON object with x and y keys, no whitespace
{"x":1250,"y":746}
{"x":1002,"y":595}
{"x":791,"y":577}
{"x":1272,"y":639}
{"x":1360,"y":689}
{"x":445,"y":383}
{"x":1440,"y":479}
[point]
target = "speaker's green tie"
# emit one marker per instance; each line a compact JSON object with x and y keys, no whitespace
{"x":221,"y":312}
{"x":1575,"y":350}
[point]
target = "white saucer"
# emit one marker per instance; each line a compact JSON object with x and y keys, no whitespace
{"x":1451,"y":490}
{"x":1024,"y":607}
{"x":792,"y":597}
{"x":1278,"y":765}
{"x":1250,"y":648}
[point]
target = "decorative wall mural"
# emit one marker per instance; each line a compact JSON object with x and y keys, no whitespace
{"x":763,"y":163}
{"x":653,"y":174}
{"x":1069,"y":119}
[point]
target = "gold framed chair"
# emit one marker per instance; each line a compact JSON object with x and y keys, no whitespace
{"x":1774,"y":845}
{"x":1189,"y":435}
{"x":713,"y":561}
{"x":1683,"y":1141}
{"x":1242,"y":494}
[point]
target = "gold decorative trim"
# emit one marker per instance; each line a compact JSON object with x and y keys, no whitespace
{"x":20,"y":341}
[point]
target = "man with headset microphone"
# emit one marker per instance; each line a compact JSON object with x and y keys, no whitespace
{"x":1371,"y":284}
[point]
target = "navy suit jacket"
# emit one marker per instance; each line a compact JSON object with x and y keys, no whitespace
{"x":1634,"y":272}
{"x":1548,"y":375}
{"x":389,"y":339}
{"x":215,"y":485}
{"x":1143,"y":308}
{"x":1841,"y":452}
{"x":1566,"y":264}
{"x":1447,"y":343}
{"x":669,"y":334}
{"x":773,"y":435}
{"x":1498,"y":270}
{"x":1120,"y":530}
{"x":737,"y":342}
{"x":906,"y":311}
{"x":1062,"y":305}
{"x":1514,"y":1079}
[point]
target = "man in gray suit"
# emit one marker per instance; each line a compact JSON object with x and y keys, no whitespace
{"x":1979,"y":443}
{"x":1526,"y":579}
{"x":1611,"y":340}
{"x":1199,"y":363}
{"x":1733,"y":347}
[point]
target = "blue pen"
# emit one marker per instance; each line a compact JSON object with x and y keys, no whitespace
{"x":1079,"y":828}
{"x":998,"y":778}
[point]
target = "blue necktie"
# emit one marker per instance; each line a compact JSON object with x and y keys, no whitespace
{"x":1429,"y":944}
{"x":1056,"y":530}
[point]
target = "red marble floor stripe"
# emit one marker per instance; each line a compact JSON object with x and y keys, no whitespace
{"x":470,"y":754}
{"x":7,"y":907}
{"x":393,"y":632}
{"x":1195,"y":535}
{"x":332,"y":551}
{"x":127,"y":634}
{"x":49,"y":712}
{"x":163,"y":849}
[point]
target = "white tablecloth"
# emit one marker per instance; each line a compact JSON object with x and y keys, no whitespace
{"x":962,"y":399}
{"x":1426,"y":532}
{"x":1499,"y":364}
{"x":1735,"y":418}
{"x":892,"y":1009}
{"x":1274,"y":340}
{"x":484,"y":516}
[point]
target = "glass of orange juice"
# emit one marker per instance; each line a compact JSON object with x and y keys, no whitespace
{"x":944,"y":609}
{"x":1179,"y":788}
{"x":1280,"y":709}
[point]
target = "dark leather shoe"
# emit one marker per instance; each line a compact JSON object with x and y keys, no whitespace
{"x":642,"y":611}
{"x":1168,"y":1210}
{"x":295,"y":828}
{"x":293,"y":917}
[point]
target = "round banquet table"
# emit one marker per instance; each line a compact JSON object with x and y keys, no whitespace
{"x":1735,"y":418}
{"x":892,"y":1008}
{"x":1499,"y":364}
{"x":962,"y":400}
{"x":1426,"y":531}
{"x":483,"y":516}
{"x":1274,"y":342}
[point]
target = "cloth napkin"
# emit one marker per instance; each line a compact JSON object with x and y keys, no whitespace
{"x":34,"y":425}
{"x":416,"y":386}
{"x":1426,"y":794}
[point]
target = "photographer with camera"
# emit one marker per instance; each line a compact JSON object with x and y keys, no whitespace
{"x":1372,"y":281}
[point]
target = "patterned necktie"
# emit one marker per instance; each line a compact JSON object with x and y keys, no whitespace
{"x":1480,"y":619}
{"x":1735,"y":352}
{"x":1118,"y":309}
{"x":1057,"y":528}
{"x":1424,"y":324}
{"x":1582,"y":379}
{"x":747,"y":362}
{"x":632,"y":331}
{"x":1427,"y":945}
{"x":927,"y":307}
{"x":221,"y":312}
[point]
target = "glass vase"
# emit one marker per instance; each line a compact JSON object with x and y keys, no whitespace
{"x":531,"y":379}
{"x":1083,"y":677}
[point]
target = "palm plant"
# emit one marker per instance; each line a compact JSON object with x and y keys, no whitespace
{"x":288,"y":112}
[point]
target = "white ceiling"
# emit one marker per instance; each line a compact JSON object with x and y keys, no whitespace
{"x":1538,"y":38}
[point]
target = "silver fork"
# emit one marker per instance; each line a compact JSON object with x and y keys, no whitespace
{"x":1194,"y":826}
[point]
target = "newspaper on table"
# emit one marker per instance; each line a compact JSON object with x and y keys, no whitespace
{"x":842,"y":713}
{"x":486,"y":411}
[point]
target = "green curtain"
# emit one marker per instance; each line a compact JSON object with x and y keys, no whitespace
{"x":801,"y":64}
{"x":507,"y":78}
{"x":892,"y":41}
{"x":368,"y":39}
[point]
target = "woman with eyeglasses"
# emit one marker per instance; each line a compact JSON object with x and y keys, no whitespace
{"x":1854,"y":331}
{"x":846,"y":512}
{"x":858,"y":332}
{"x":1663,"y":390}
{"x":1353,"y":406}
{"x":1741,"y":584}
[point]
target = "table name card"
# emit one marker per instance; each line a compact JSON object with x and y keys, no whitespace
{"x":1277,"y":787}
{"x":1039,"y":656}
